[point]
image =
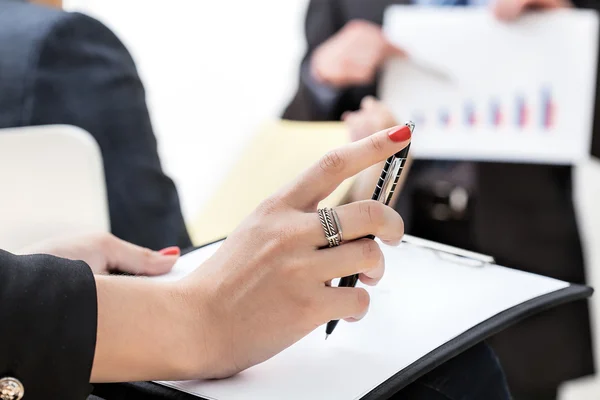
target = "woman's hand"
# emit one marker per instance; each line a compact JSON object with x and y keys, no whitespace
{"x":353,"y":55}
{"x":105,"y":253}
{"x":509,"y":10}
{"x":265,"y":288}
{"x":262,"y":291}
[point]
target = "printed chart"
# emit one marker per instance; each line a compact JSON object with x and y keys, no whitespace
{"x":520,"y":113}
{"x":487,"y":91}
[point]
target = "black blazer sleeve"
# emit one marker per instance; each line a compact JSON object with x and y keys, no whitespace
{"x":85,"y":77}
{"x":322,"y":22}
{"x":48,"y":321}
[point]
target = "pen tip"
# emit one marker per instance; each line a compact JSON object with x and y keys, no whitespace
{"x":326,"y":336}
{"x":411,"y":126}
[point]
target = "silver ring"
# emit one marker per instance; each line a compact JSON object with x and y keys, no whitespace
{"x":338,"y":225}
{"x":330,"y":225}
{"x":335,"y":233}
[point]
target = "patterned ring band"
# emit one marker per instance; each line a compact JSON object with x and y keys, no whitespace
{"x":330,"y":224}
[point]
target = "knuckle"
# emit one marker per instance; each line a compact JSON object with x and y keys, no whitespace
{"x":105,"y":240}
{"x":268,"y":206}
{"x":295,"y":270}
{"x":400,"y":226}
{"x":376,"y":143}
{"x":345,"y":66}
{"x":372,"y":212}
{"x":147,"y":254}
{"x":371,"y":252}
{"x":368,"y":101}
{"x":308,"y":306}
{"x":363,"y":300}
{"x":332,"y":162}
{"x":284,"y":234}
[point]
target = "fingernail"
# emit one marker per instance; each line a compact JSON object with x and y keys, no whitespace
{"x":400,"y":134}
{"x":170,"y":251}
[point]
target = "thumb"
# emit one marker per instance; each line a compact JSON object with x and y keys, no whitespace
{"x":394,"y":51}
{"x":129,"y":258}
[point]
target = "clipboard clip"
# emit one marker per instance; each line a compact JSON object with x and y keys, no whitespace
{"x":450,"y":253}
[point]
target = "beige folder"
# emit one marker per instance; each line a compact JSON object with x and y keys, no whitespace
{"x":275,"y":156}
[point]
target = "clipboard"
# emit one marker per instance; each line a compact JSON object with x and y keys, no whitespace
{"x":435,"y":302}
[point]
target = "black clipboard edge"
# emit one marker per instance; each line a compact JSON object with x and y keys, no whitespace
{"x":474,"y":336}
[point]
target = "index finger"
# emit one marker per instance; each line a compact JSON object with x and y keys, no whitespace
{"x":318,"y":181}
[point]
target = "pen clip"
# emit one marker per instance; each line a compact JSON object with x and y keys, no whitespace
{"x":388,"y":186}
{"x":450,"y":253}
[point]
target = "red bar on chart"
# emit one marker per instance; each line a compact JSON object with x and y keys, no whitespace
{"x":445,"y":118}
{"x":522,"y":112}
{"x":495,"y":113}
{"x":548,"y":109}
{"x":470,"y":115}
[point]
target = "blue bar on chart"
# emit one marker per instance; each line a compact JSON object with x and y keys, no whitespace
{"x":548,"y":108}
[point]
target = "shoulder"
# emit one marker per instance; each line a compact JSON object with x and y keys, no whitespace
{"x":79,"y":36}
{"x":29,"y":32}
{"x":35,"y":38}
{"x":25,"y":29}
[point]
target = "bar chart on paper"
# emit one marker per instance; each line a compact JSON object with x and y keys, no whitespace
{"x":519,"y":112}
{"x":489,"y":91}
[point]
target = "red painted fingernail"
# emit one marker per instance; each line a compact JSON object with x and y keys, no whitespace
{"x":170,"y":251}
{"x":400,"y":134}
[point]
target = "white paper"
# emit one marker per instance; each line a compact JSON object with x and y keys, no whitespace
{"x":481,"y":89}
{"x":422,"y":303}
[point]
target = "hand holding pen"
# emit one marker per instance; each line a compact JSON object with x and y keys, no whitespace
{"x":384,"y":191}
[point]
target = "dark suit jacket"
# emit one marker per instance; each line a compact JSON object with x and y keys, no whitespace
{"x":67,"y":68}
{"x":48,"y":325}
{"x":523,"y":216}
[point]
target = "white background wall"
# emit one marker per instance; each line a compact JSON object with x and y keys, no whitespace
{"x":214,"y":70}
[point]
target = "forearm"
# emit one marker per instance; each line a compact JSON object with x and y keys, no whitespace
{"x":146,"y":331}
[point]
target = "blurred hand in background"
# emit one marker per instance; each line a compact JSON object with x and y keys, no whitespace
{"x":511,"y":9}
{"x":372,"y":116}
{"x":352,"y":56}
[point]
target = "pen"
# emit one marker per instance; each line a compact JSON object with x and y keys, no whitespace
{"x":384,"y":190}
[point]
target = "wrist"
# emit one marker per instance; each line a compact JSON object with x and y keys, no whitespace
{"x":147,"y":330}
{"x":194,"y":348}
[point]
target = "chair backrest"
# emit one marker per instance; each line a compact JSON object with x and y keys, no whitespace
{"x":51,"y":184}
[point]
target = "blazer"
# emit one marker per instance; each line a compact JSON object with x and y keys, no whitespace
{"x":67,"y":68}
{"x":523,"y":216}
{"x":48,"y":331}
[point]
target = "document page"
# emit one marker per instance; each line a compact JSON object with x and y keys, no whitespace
{"x":424,"y":301}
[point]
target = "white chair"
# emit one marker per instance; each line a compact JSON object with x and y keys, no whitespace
{"x":51,"y":184}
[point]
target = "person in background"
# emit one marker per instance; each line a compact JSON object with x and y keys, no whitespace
{"x":523,"y":214}
{"x":100,"y":328}
{"x":67,"y":68}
